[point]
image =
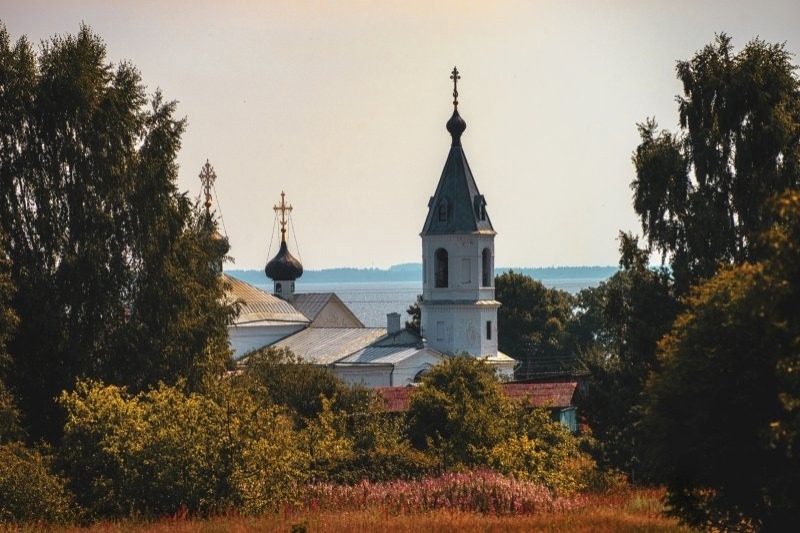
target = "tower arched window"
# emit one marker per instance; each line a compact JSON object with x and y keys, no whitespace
{"x":486,"y":268}
{"x":441,"y":268}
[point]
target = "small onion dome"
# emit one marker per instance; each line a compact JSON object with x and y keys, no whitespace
{"x":220,"y":243}
{"x":284,"y":266}
{"x":456,"y":126}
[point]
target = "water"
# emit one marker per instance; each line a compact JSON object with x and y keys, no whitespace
{"x":372,"y":301}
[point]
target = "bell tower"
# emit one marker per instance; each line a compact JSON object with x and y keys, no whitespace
{"x":459,"y":312}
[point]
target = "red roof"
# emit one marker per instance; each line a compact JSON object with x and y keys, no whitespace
{"x":557,"y":394}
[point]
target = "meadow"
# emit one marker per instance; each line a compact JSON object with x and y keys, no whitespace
{"x":470,"y":501}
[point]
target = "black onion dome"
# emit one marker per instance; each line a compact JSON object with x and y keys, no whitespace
{"x":456,"y":126}
{"x":284,"y":266}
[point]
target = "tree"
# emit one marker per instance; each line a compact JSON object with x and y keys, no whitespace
{"x":459,"y":412}
{"x":616,"y":331}
{"x":535,"y":321}
{"x":415,"y":313}
{"x":700,"y":193}
{"x":723,"y":414}
{"x":110,"y":265}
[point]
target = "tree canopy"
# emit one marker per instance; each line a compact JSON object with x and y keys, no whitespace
{"x":110,"y":263}
{"x":700,"y":193}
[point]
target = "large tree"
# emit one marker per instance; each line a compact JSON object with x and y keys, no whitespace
{"x":113,"y":268}
{"x":700,"y":192}
{"x":723,"y":415}
{"x":535,"y":321}
{"x":615,"y":332}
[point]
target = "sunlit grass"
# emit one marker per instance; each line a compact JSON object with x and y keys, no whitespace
{"x":634,"y":510}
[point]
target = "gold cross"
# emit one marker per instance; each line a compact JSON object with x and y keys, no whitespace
{"x":207,"y":178}
{"x":455,"y":77}
{"x":283,"y":208}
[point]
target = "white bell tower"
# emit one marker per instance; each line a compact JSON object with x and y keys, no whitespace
{"x":459,"y":312}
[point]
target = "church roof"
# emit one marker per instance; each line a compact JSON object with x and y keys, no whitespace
{"x":324,"y":346}
{"x":311,"y":305}
{"x":457,"y":206}
{"x":257,"y":306}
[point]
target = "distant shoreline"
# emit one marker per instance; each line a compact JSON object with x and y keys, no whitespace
{"x":413,"y":272}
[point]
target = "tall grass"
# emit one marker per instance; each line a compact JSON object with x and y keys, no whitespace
{"x":482,"y":492}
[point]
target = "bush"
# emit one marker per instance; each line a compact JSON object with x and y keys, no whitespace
{"x":164,"y":451}
{"x":30,"y":491}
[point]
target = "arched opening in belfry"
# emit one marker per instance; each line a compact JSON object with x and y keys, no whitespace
{"x":486,"y":268}
{"x":441,"y":268}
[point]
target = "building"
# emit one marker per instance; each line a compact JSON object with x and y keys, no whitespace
{"x":459,"y":311}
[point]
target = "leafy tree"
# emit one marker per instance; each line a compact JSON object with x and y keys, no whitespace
{"x":700,"y":193}
{"x":544,"y":451}
{"x":535,"y":321}
{"x":723,"y":415}
{"x":156,"y":453}
{"x":283,"y":379}
{"x":616,"y":331}
{"x":111,"y":267}
{"x":459,"y":413}
{"x":31,"y":492}
{"x":415,"y":313}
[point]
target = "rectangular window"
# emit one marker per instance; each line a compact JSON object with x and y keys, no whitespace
{"x":488,"y":330}
{"x":440,"y":331}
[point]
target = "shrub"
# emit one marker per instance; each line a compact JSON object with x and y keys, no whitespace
{"x":30,"y":491}
{"x":163,"y":451}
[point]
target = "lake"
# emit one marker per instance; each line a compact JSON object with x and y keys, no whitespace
{"x":372,"y":301}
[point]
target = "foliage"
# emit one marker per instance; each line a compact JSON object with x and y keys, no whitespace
{"x":110,"y":267}
{"x":31,"y":492}
{"x":723,"y":414}
{"x":617,"y":327}
{"x":700,"y":193}
{"x":415,"y":313}
{"x":158,"y":452}
{"x":283,"y":379}
{"x":459,"y":413}
{"x":535,"y":323}
{"x":543,"y":451}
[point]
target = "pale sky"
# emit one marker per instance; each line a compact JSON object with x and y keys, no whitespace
{"x":343,"y":105}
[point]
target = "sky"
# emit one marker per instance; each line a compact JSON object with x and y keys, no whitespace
{"x":343,"y":106}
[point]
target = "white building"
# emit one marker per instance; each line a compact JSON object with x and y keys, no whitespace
{"x":459,"y":312}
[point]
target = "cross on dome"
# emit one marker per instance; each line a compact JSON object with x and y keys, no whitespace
{"x":207,"y":178}
{"x":455,"y":77}
{"x":283,"y":208}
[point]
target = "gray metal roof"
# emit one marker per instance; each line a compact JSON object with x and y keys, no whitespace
{"x":258,"y":306}
{"x":312,"y":303}
{"x":381,"y":355}
{"x":458,"y":195}
{"x":324,"y":346}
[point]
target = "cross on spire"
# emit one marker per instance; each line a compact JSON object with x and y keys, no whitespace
{"x":283,"y":208}
{"x":207,"y":178}
{"x":455,"y":77}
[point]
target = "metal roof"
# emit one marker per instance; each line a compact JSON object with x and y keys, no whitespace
{"x":382,"y":355}
{"x":256,"y":305}
{"x":324,"y":346}
{"x":458,"y":195}
{"x":312,"y":303}
{"x":556,"y":395}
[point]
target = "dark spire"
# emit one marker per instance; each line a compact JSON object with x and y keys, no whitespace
{"x":457,"y":206}
{"x":207,"y":178}
{"x":284,"y":266}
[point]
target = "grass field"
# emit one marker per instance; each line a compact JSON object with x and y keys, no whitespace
{"x":637,"y":510}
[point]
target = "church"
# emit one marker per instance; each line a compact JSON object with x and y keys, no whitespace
{"x":458,"y":308}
